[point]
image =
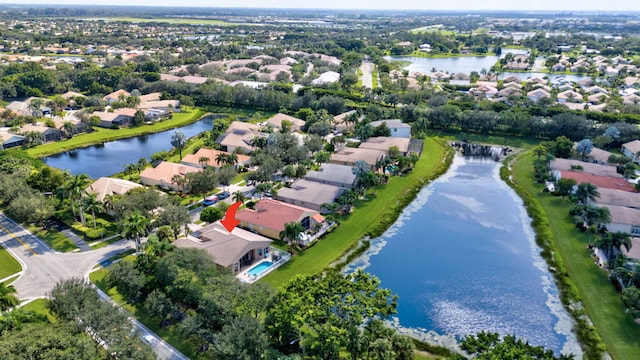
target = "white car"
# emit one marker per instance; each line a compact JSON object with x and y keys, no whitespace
{"x":149,"y":339}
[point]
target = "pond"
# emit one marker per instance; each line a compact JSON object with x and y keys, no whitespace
{"x":462,"y":258}
{"x":467,"y":64}
{"x":111,"y":157}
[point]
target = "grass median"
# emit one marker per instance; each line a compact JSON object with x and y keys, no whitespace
{"x":381,"y":211}
{"x":102,"y":135}
{"x":8,"y":265}
{"x":598,"y":296}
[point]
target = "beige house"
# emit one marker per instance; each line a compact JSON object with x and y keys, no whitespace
{"x":349,"y":156}
{"x":239,"y":135}
{"x":105,"y":186}
{"x":632,"y":150}
{"x":276,"y":121}
{"x":115,"y":96}
{"x":310,"y":194}
{"x":383,"y":143}
{"x":235,"y":250}
{"x":163,"y":174}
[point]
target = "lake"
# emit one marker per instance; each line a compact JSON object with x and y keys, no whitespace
{"x":111,"y":157}
{"x":467,"y":64}
{"x":463,"y":259}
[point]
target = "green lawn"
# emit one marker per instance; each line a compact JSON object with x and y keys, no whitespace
{"x":361,"y":221}
{"x":54,"y":239}
{"x":8,"y":265}
{"x":619,"y":332}
{"x":169,"y":334}
{"x":101,"y":135}
{"x":40,"y":306}
{"x":513,"y":141}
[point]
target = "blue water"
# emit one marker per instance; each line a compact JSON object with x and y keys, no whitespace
{"x":260,"y":268}
{"x":111,"y":157}
{"x":462,"y":259}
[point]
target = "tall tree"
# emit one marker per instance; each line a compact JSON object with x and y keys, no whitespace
{"x":73,"y":190}
{"x":90,"y":203}
{"x":8,"y":297}
{"x":586,"y":192}
{"x":134,"y":228}
{"x":291,"y":232}
{"x":179,"y":141}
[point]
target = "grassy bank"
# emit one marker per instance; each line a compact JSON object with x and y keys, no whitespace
{"x":577,"y":276}
{"x":8,"y":265}
{"x":101,"y":135}
{"x":372,"y":218}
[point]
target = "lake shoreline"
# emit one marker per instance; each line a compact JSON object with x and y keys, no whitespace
{"x":59,"y":147}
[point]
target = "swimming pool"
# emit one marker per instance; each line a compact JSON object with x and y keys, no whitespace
{"x":260,"y":268}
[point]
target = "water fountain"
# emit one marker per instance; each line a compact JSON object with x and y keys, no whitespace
{"x":481,"y":150}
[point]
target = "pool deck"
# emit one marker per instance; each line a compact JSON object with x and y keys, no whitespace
{"x":277,"y":257}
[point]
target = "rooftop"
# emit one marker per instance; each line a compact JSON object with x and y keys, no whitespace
{"x":310,"y":192}
{"x":274,"y":214}
{"x":587,"y":167}
{"x":599,"y":181}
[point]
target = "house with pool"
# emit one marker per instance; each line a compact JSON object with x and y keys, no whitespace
{"x":248,"y":255}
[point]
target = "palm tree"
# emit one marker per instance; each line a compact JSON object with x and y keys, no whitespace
{"x":68,"y":129}
{"x":73,"y":190}
{"x":8,"y":298}
{"x":203,"y":160}
{"x":90,"y":203}
{"x":221,"y":158}
{"x":135,"y":227}
{"x":179,"y":141}
{"x":231,"y":159}
{"x":35,"y":106}
{"x":179,"y":180}
{"x":586,"y":192}
{"x":109,"y":201}
{"x":129,"y":169}
{"x":612,"y":242}
{"x":238,"y":196}
{"x":143,"y":162}
{"x":291,"y":232}
{"x":625,"y":276}
{"x":33,"y":138}
{"x":158,"y":248}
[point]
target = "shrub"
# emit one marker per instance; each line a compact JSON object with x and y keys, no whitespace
{"x":211,"y":214}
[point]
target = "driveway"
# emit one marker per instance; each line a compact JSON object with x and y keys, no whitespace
{"x":43,"y":267}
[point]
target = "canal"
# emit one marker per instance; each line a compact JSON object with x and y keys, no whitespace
{"x":111,"y":157}
{"x":463,"y":259}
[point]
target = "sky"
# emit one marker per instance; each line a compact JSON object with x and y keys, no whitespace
{"x":570,"y":5}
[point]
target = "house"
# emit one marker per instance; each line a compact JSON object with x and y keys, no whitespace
{"x":631,"y":150}
{"x":166,"y":106}
{"x":339,"y":121}
{"x":268,"y":218}
{"x":276,"y":121}
{"x":239,"y":135}
{"x":20,"y":107}
{"x":599,"y":181}
{"x":384,"y":143}
{"x":510,"y":79}
{"x":397,"y":127}
{"x":537,"y":94}
{"x":310,"y":194}
{"x":349,"y":156}
{"x":9,"y":140}
{"x":105,"y":186}
{"x":632,"y":99}
{"x":326,"y":78}
{"x":560,"y":164}
{"x":162,"y":175}
{"x":623,"y":219}
{"x":634,"y":251}
{"x":597,"y":98}
{"x":618,"y":198}
{"x":48,"y":134}
{"x":569,"y":96}
{"x":484,"y":90}
{"x":597,"y":155}
{"x":235,"y":250}
{"x":212,"y":155}
{"x":121,"y":117}
{"x":333,"y":174}
{"x":116,"y":96}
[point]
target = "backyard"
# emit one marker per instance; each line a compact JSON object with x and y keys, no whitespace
{"x":603,"y":304}
{"x":362,"y":219}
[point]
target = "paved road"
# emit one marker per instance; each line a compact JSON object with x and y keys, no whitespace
{"x":367,"y":78}
{"x":43,"y":267}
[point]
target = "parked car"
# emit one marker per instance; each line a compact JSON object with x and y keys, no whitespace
{"x":223,"y":195}
{"x":210,"y":200}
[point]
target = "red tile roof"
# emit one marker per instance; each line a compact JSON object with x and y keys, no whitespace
{"x":599,"y":181}
{"x":273,"y":214}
